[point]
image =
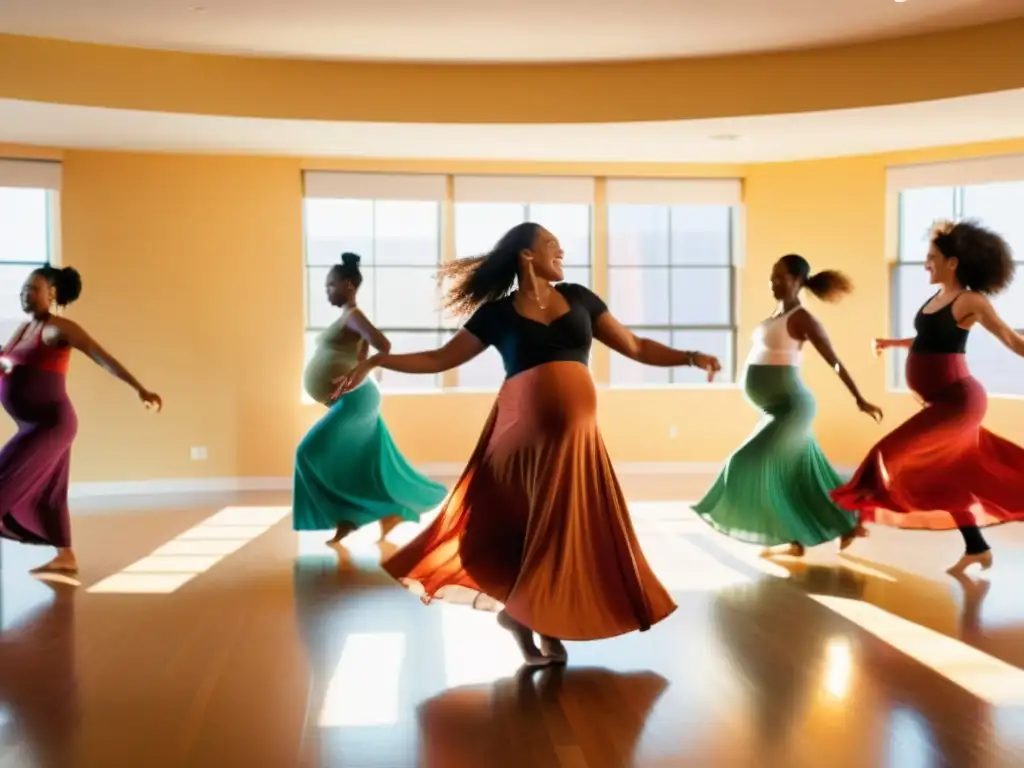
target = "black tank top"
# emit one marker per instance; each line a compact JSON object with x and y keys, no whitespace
{"x":938,"y":333}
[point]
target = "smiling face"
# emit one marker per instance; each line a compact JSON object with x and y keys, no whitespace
{"x":941,"y":271}
{"x":546,"y":256}
{"x":783,"y":284}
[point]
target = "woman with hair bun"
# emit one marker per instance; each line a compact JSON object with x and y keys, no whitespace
{"x":348,"y":471}
{"x":774,"y":490}
{"x":940,"y":469}
{"x":35,"y":463}
{"x":537,"y":524}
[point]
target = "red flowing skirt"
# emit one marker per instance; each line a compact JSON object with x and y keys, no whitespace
{"x":940,"y":469}
{"x":537,"y":522}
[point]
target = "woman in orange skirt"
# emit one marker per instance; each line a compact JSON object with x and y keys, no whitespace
{"x":537,"y":523}
{"x":940,"y":469}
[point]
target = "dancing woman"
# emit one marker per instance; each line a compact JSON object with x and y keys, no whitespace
{"x":35,"y":463}
{"x":774,"y":490}
{"x":537,"y":522}
{"x":348,"y":471}
{"x":940,"y":469}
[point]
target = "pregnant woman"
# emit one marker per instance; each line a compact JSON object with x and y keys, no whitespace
{"x":348,"y":471}
{"x":36,"y":462}
{"x":940,"y":469}
{"x":537,"y":522}
{"x":774,"y":490}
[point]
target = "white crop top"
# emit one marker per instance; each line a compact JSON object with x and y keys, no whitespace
{"x":772,"y":343}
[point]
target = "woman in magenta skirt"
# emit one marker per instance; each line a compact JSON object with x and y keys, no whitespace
{"x":940,"y":469}
{"x":35,"y":463}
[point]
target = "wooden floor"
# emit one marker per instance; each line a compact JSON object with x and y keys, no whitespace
{"x":212,"y":635}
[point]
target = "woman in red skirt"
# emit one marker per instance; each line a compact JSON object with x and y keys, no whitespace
{"x":940,"y":469}
{"x":537,"y":524}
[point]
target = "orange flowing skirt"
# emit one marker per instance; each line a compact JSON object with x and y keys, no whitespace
{"x":538,"y":522}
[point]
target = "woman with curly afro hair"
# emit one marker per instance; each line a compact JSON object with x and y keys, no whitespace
{"x":940,"y":469}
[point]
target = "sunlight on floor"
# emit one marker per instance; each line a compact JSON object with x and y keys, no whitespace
{"x":985,"y":676}
{"x":193,"y":552}
{"x":364,"y":689}
{"x":684,"y":567}
{"x":865,"y":570}
{"x":838,"y":667}
{"x":476,"y":649}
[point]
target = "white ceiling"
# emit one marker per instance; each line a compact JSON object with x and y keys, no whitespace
{"x":985,"y":117}
{"x":493,"y":30}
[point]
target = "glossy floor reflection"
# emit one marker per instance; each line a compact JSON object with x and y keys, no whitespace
{"x":204,"y":637}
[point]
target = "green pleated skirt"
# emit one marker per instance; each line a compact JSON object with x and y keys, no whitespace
{"x":774,"y":489}
{"x":349,"y":470}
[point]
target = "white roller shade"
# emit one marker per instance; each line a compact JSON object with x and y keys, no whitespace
{"x":674,"y":192}
{"x":374,"y":186}
{"x":524,"y":189}
{"x":35,"y":174}
{"x":961,"y":173}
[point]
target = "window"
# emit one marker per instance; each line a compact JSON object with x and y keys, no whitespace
{"x":487,"y":207}
{"x":399,"y":241}
{"x":671,"y":276}
{"x":996,"y":205}
{"x":28,"y":229}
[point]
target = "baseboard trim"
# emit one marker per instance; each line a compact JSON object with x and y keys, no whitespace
{"x":204,"y":485}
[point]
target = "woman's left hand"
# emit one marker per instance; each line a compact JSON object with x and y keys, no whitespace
{"x":352,"y":379}
{"x":871,"y":410}
{"x":708,"y":363}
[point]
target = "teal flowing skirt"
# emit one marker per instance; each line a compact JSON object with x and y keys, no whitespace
{"x":775,"y":488}
{"x":348,"y":470}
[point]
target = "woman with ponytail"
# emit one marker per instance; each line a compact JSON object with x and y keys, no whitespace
{"x":348,"y":471}
{"x":35,"y":463}
{"x":774,"y":490}
{"x":537,"y":523}
{"x":941,"y":469}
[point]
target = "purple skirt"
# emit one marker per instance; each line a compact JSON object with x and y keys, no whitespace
{"x":35,"y":464}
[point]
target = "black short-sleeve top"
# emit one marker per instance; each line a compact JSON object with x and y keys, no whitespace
{"x":524,"y":343}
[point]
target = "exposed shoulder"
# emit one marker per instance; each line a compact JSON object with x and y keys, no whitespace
{"x":61,"y":330}
{"x":802,"y":324}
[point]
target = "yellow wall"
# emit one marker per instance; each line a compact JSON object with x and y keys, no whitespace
{"x":192,"y":270}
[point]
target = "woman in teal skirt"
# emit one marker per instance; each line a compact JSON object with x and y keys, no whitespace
{"x":774,"y":490}
{"x":348,"y":471}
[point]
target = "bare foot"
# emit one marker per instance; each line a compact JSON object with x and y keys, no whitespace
{"x":860,"y":532}
{"x":388,"y":524}
{"x":524,"y":639}
{"x":64,"y":562}
{"x":344,"y":529}
{"x":984,"y":559}
{"x":784,"y":550}
{"x":552,"y":648}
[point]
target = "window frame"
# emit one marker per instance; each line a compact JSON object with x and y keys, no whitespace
{"x":53,"y":233}
{"x":732,"y":328}
{"x":897,"y":373}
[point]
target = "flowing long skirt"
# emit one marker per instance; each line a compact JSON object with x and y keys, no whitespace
{"x":940,"y":469}
{"x":35,"y":464}
{"x":348,"y":469}
{"x":775,"y":488}
{"x":537,"y":521}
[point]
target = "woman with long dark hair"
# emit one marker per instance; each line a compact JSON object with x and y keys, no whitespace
{"x":35,"y":464}
{"x":348,"y":471}
{"x":774,"y":490}
{"x":940,"y":469}
{"x":537,"y":522}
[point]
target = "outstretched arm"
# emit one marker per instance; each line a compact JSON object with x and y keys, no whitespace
{"x":616,"y":336}
{"x":803,"y":325}
{"x":463,"y":347}
{"x":881,"y":344}
{"x":977,"y":308}
{"x":74,"y":335}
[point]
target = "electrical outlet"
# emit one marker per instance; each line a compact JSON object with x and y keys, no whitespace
{"x":198,"y":453}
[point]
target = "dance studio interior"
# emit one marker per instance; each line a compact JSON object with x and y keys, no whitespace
{"x":743,"y":508}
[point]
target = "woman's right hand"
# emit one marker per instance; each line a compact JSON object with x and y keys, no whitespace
{"x":708,"y":363}
{"x":878,"y":345}
{"x":353,"y":378}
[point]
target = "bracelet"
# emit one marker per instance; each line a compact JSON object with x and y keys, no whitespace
{"x":691,"y":358}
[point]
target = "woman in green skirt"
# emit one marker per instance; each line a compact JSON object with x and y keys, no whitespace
{"x":348,"y":471}
{"x":774,"y":490}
